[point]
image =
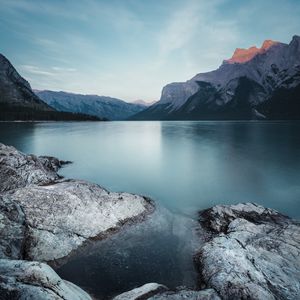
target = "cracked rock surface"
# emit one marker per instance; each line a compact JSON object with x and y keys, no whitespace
{"x":251,"y":253}
{"x":18,"y":169}
{"x":248,"y":251}
{"x":44,"y":217}
{"x":155,"y":291}
{"x":22,"y":280}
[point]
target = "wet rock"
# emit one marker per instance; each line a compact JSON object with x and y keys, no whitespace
{"x":252,"y":253}
{"x":22,"y":280}
{"x":207,"y":294}
{"x":142,"y":292}
{"x":45,"y":218}
{"x":62,"y":216}
{"x":155,"y":291}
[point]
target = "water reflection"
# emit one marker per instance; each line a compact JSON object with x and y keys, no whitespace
{"x":186,"y":166}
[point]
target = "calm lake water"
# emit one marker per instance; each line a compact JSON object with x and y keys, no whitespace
{"x":184,"y":167}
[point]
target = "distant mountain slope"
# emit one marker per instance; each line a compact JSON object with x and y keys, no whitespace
{"x":19,"y":102}
{"x":15,"y":90}
{"x":110,"y":108}
{"x":144,"y":103}
{"x":255,"y":83}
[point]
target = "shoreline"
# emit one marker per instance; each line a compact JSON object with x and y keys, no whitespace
{"x":46,"y":219}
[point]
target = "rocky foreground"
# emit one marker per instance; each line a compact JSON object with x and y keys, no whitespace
{"x":248,"y":251}
{"x":45,"y":218}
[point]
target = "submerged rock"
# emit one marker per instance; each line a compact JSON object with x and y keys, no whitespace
{"x":63,"y":215}
{"x":207,"y":294}
{"x":142,"y":292}
{"x":22,"y":280}
{"x":155,"y":291}
{"x":252,"y":253}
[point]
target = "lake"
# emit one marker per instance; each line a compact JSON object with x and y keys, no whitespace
{"x":185,"y":167}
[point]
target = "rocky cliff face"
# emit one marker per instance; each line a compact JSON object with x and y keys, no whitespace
{"x":255,"y":83}
{"x":19,"y":102}
{"x":101,"y":106}
{"x":15,"y":90}
{"x":244,"y":55}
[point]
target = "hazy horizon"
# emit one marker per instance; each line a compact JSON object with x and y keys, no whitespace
{"x":131,"y":49}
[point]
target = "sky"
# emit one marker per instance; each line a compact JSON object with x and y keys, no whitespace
{"x":130,"y":49}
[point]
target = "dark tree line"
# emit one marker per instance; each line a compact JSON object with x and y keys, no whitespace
{"x":18,"y":113}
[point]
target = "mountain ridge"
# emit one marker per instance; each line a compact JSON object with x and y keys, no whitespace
{"x":108,"y":107}
{"x":212,"y":95}
{"x":19,"y":102}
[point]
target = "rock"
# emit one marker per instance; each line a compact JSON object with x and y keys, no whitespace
{"x":252,"y":253}
{"x":207,"y":294}
{"x":45,"y":218}
{"x":18,"y":169}
{"x":21,"y":279}
{"x":155,"y":291}
{"x":265,"y":80}
{"x":12,"y":229}
{"x":63,"y":215}
{"x":142,"y":292}
{"x":15,"y":91}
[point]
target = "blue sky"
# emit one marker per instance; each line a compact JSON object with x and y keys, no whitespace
{"x":131,"y":48}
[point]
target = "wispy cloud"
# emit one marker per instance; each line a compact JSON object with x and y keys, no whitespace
{"x":180,"y":28}
{"x":199,"y":37}
{"x":36,"y":70}
{"x":130,"y":48}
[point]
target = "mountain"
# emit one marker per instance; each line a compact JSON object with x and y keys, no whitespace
{"x":15,"y":90}
{"x":19,"y":102}
{"x":261,"y":83}
{"x":110,"y":108}
{"x":144,"y":103}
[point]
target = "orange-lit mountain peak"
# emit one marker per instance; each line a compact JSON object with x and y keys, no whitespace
{"x":241,"y":55}
{"x":267,"y":44}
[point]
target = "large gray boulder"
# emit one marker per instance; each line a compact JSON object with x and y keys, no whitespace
{"x":24,"y":280}
{"x":62,"y":216}
{"x":18,"y":169}
{"x":44,"y":217}
{"x":251,"y":253}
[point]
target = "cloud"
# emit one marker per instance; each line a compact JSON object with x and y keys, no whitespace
{"x":36,"y":70}
{"x":128,"y":48}
{"x":197,"y":34}
{"x":60,"y":69}
{"x":180,"y":28}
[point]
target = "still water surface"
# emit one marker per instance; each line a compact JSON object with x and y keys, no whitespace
{"x":184,"y":167}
